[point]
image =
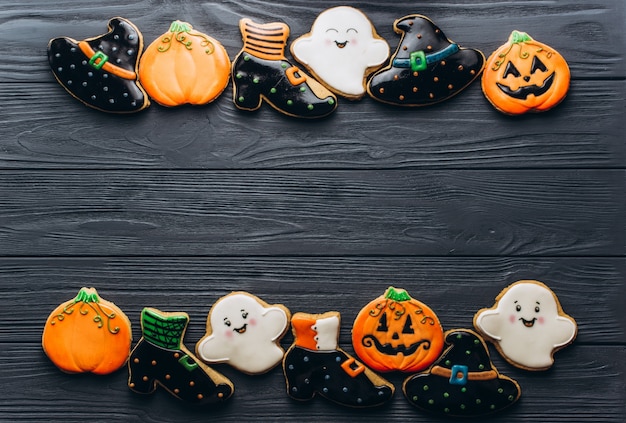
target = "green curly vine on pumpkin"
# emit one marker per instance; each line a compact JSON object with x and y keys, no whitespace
{"x":179,"y":31}
{"x":89,"y":298}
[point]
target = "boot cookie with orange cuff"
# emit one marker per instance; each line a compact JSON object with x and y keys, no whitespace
{"x":315,"y":364}
{"x":261,"y":72}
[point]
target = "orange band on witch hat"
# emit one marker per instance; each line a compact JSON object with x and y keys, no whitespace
{"x":99,"y":60}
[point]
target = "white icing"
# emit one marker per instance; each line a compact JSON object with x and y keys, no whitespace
{"x":532,"y":344}
{"x":327,"y":330}
{"x":340,"y":48}
{"x":245,"y":334}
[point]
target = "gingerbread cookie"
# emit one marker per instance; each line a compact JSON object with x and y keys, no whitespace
{"x":527,"y":325}
{"x":87,"y":335}
{"x":463,"y":382}
{"x":524,"y":75}
{"x":101,"y":72}
{"x":341,"y":50}
{"x":245,"y":332}
{"x":315,"y":364}
{"x":184,"y":66}
{"x":262,"y":73}
{"x":397,"y":332}
{"x":427,"y":67}
{"x":160,"y":358}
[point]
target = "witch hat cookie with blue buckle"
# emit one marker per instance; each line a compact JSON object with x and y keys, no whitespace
{"x":426,"y":68}
{"x":463,"y":382}
{"x":101,"y":72}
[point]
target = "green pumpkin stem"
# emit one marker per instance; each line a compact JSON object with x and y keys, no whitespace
{"x":87,"y":295}
{"x":397,"y":295}
{"x":519,"y":37}
{"x":180,"y":26}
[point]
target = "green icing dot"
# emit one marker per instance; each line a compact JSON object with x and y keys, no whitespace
{"x":241,"y":99}
{"x":462,"y":406}
{"x":331,"y":101}
{"x":464,"y":389}
{"x":446,"y":410}
{"x":289,"y":102}
{"x":500,"y":390}
{"x":273,"y":90}
{"x":246,"y":58}
{"x":302,"y":89}
{"x":425,"y":388}
{"x":255,"y":80}
{"x":478,"y":401}
{"x":446,"y":395}
{"x":468,"y":352}
{"x":511,"y":398}
{"x":459,"y":336}
{"x":283,"y":65}
{"x":492,"y":406}
{"x":239,"y":76}
{"x":414,"y":397}
{"x":476,"y":342}
{"x":481,"y":366}
{"x":448,"y":362}
{"x":431,"y":401}
{"x":309,"y":107}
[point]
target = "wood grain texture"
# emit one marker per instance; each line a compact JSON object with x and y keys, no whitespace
{"x":174,"y":208}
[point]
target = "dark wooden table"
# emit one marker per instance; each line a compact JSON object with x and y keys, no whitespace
{"x":174,"y":208}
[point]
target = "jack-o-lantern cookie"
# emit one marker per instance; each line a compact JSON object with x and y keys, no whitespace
{"x":397,"y":332}
{"x":527,"y":325}
{"x":315,"y":364}
{"x":161,"y":359}
{"x":463,"y":382}
{"x":341,"y":50}
{"x":524,"y":75}
{"x":426,"y":68}
{"x":87,"y":334}
{"x":184,"y":66}
{"x":262,"y":73}
{"x":101,"y":72}
{"x":245,"y":332}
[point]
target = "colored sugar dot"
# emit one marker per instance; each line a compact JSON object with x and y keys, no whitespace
{"x":246,"y":58}
{"x":327,"y":377}
{"x":446,"y":410}
{"x":448,"y":362}
{"x":273,"y":90}
{"x":431,"y":401}
{"x":464,"y":389}
{"x":131,"y":37}
{"x":294,"y":389}
{"x":381,"y":393}
{"x":307,"y":381}
{"x":492,"y":407}
{"x":478,"y":401}
{"x":241,"y":99}
{"x":476,"y":342}
{"x":255,"y":80}
{"x":305,"y":359}
{"x":462,"y":406}
{"x":289,"y":102}
{"x":331,"y":101}
{"x":511,"y":398}
{"x":468,"y":352}
{"x":309,"y":107}
{"x":239,"y":76}
{"x":414,"y":397}
{"x":325,"y":390}
{"x":60,"y":69}
{"x":283,"y":65}
{"x":446,"y":395}
{"x":481,"y":366}
{"x":344,"y":389}
{"x":130,"y":52}
{"x":302,"y":89}
{"x":359,"y":400}
{"x":290,"y":367}
{"x":500,"y":390}
{"x":425,"y":388}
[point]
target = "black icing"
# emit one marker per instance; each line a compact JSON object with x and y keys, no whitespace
{"x":178,"y":372}
{"x":438,"y":394}
{"x":319,"y":372}
{"x":96,"y":87}
{"x":439,"y":81}
{"x":255,"y":79}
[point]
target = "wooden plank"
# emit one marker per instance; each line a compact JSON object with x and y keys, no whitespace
{"x":589,"y":35}
{"x":432,"y":213}
{"x":583,"y":132}
{"x":585,"y":385}
{"x":590,"y":289}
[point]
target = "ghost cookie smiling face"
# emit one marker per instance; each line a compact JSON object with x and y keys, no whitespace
{"x":245,"y":332}
{"x":341,"y":50}
{"x":527,"y":325}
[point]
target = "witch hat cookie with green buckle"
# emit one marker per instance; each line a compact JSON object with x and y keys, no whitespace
{"x":426,"y":68}
{"x":160,"y":358}
{"x":463,"y":382}
{"x":101,"y":72}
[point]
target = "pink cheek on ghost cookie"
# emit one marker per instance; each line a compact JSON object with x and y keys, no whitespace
{"x":512,"y":318}
{"x":228,"y":334}
{"x":541,"y":320}
{"x":354,"y":42}
{"x":327,"y":42}
{"x":252,"y":322}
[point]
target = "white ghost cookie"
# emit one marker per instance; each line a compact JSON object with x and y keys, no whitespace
{"x":341,"y":50}
{"x":527,"y":325}
{"x":244,"y":332}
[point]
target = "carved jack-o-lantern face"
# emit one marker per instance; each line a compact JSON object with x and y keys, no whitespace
{"x":397,"y":332}
{"x":525,"y":75}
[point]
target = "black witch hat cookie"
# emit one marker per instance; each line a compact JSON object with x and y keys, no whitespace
{"x":101,"y":72}
{"x":426,"y":68}
{"x":463,"y":382}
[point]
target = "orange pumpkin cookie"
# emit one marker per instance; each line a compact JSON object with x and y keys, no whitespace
{"x":87,"y":334}
{"x":524,"y":75}
{"x":397,"y":332}
{"x":184,"y":66}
